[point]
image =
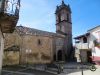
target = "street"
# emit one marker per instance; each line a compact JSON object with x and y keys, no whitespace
{"x":85,"y":72}
{"x":69,"y":69}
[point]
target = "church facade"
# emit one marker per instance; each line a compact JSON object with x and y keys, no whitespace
{"x":36,"y":46}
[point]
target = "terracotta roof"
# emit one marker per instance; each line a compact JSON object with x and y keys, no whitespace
{"x":95,"y":58}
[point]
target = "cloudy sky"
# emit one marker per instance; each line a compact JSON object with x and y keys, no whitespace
{"x":39,"y":14}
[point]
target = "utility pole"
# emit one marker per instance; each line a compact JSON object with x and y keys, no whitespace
{"x":1,"y":36}
{"x":1,"y":49}
{"x":81,"y":65}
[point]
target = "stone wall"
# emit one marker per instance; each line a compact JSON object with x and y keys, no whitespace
{"x":33,"y":49}
{"x":36,"y":49}
{"x":11,"y":58}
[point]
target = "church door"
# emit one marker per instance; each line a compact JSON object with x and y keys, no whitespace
{"x":59,"y":55}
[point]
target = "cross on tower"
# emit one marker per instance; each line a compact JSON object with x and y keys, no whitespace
{"x":63,"y":2}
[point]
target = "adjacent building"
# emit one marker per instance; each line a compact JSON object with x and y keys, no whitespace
{"x":87,"y":46}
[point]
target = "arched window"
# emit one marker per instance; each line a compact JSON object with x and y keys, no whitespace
{"x":60,"y":27}
{"x":59,"y":17}
{"x":59,"y":55}
{"x":39,"y":42}
{"x":84,"y":40}
{"x":67,"y":17}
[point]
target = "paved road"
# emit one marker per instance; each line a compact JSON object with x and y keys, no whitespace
{"x":17,"y":70}
{"x":79,"y":71}
{"x":26,"y":72}
{"x":70,"y":69}
{"x":88,"y":72}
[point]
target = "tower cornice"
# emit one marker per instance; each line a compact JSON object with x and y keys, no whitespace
{"x":63,"y":6}
{"x":64,"y":21}
{"x":63,"y":2}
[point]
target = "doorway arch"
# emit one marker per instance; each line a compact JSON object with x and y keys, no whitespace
{"x":59,"y":55}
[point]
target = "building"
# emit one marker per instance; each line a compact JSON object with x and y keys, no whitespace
{"x":8,"y":22}
{"x":34,"y":46}
{"x":64,"y":26}
{"x":37,"y":46}
{"x":87,"y":46}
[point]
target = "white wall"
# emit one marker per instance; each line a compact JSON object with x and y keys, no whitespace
{"x":93,"y":36}
{"x":90,"y":39}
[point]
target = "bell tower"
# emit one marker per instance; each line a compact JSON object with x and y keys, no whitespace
{"x":64,"y":26}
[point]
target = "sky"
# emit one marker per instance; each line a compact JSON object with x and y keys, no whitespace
{"x":40,"y":14}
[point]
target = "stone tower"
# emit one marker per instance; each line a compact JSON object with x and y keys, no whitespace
{"x":64,"y":26}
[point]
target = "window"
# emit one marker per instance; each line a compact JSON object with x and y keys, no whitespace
{"x":62,"y":17}
{"x":67,"y":17}
{"x":84,"y":40}
{"x":39,"y":42}
{"x":60,"y":27}
{"x":59,"y":18}
{"x":98,"y":35}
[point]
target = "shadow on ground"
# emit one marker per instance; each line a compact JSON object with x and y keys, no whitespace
{"x":21,"y":70}
{"x":18,"y":70}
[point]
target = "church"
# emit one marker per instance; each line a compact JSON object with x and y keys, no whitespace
{"x":32,"y":46}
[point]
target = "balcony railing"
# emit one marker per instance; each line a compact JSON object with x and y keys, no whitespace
{"x":82,"y":46}
{"x":9,"y":15}
{"x":12,"y":7}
